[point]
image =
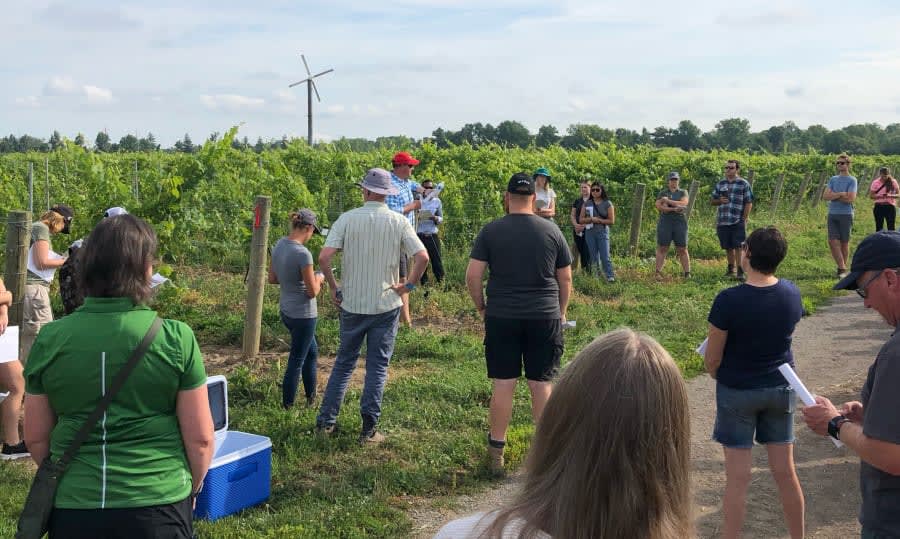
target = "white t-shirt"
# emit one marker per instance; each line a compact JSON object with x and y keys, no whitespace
{"x":472,"y":526}
{"x":545,"y":196}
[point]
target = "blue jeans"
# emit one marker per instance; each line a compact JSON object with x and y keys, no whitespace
{"x":304,"y":353}
{"x":379,"y":331}
{"x":767,"y":411}
{"x":597,"y":240}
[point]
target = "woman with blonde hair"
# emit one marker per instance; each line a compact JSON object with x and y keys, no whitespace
{"x":36,"y":310}
{"x":610,"y":457}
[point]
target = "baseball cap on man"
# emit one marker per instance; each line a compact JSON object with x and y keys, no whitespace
{"x":673,"y":176}
{"x":404,"y":158}
{"x":308,"y":217}
{"x":521,"y":184}
{"x":114,"y":211}
{"x":541,"y":172}
{"x":378,"y":181}
{"x":878,"y":251}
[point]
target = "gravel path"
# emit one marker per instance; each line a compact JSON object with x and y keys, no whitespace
{"x":833,"y":350}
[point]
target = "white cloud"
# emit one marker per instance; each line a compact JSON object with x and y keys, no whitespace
{"x":231,"y":102}
{"x":95,"y":94}
{"x":335,"y":109}
{"x":30,"y":101}
{"x":285,"y":96}
{"x":60,"y":86}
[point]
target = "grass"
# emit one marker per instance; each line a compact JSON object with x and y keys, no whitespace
{"x":435,"y":404}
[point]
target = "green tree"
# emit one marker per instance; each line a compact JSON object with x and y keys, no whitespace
{"x":511,"y":133}
{"x":585,"y":136}
{"x":128,"y":143}
{"x":687,"y":136}
{"x":101,"y":142}
{"x":79,"y":140}
{"x":56,"y":141}
{"x":547,"y":135}
{"x":732,"y":133}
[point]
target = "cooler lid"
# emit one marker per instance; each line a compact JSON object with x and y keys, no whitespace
{"x":217,"y":388}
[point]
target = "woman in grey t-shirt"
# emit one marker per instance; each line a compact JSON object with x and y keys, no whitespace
{"x":292,"y":268}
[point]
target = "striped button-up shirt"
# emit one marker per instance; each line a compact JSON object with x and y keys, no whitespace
{"x":404,"y":197}
{"x":372,"y":237}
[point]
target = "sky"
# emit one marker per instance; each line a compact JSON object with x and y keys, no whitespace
{"x":407,"y":67}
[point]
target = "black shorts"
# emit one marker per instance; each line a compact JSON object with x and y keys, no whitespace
{"x":511,"y":342}
{"x":731,"y":236}
{"x":404,"y":269}
{"x":174,"y":520}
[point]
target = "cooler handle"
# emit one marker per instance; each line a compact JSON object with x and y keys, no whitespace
{"x":243,"y":472}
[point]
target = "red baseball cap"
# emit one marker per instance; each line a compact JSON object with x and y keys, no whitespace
{"x":404,"y":158}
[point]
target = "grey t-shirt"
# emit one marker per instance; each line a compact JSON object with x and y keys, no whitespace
{"x":523,"y":252}
{"x":880,"y":511}
{"x":288,"y":258}
{"x":672,"y":217}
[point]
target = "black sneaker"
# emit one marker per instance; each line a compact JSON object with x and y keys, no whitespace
{"x":11,"y":452}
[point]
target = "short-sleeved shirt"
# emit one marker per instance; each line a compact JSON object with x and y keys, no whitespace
{"x":841,"y":184}
{"x":882,"y":189}
{"x":403,"y":197}
{"x":546,"y":196}
{"x":739,"y":195}
{"x":288,"y":259}
{"x":597,"y":209}
{"x":135,"y":456}
{"x":672,"y":217}
{"x":372,"y":238}
{"x":880,"y":511}
{"x":523,"y":252}
{"x":39,"y":231}
{"x":760,"y":323}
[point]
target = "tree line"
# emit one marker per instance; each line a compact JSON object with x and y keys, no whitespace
{"x":729,"y":134}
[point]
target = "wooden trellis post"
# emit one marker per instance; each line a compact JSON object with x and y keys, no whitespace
{"x":256,"y":277}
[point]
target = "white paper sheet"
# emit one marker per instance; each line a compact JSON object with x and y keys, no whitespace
{"x":570,"y":324}
{"x":157,"y":280}
{"x":805,"y":396}
{"x":47,"y":274}
{"x":436,"y":192}
{"x":702,"y":348}
{"x":9,"y":344}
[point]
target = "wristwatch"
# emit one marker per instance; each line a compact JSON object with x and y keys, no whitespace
{"x":834,"y":426}
{"x":410,"y":286}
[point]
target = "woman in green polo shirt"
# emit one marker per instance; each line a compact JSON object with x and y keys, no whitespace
{"x":137,"y":474}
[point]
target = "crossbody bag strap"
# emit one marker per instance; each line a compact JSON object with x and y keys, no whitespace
{"x":117,"y":384}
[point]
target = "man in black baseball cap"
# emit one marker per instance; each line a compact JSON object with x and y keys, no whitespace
{"x":871,"y":428}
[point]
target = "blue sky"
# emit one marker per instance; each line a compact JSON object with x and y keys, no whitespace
{"x":409,"y":66}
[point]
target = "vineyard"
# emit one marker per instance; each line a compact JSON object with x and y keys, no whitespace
{"x":435,"y":403}
{"x":202,"y":204}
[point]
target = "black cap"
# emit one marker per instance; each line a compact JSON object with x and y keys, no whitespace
{"x":521,"y":184}
{"x":878,"y":251}
{"x":65,"y":210}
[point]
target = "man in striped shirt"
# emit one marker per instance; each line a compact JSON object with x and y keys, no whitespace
{"x":372,"y":239}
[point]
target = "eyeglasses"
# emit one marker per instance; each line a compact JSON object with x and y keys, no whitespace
{"x":842,"y":162}
{"x":862,"y":289}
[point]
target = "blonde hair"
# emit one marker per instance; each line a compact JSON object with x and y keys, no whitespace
{"x":54,"y":221}
{"x":611,"y":454}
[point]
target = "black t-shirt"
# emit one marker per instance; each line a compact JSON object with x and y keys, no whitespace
{"x":760,"y":323}
{"x":523,"y":253}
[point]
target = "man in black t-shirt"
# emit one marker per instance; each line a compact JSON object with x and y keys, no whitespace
{"x":528,"y":293}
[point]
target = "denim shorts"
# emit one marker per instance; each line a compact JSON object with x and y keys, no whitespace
{"x":767,"y":411}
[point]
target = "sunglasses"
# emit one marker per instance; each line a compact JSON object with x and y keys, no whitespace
{"x":595,"y":190}
{"x":730,"y":167}
{"x":842,"y":162}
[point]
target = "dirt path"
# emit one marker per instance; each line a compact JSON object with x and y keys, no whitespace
{"x":833,"y":350}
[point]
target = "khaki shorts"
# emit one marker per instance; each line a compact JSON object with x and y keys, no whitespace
{"x":36,"y":312}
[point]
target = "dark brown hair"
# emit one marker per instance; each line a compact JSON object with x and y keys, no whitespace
{"x":767,"y":248}
{"x":603,"y":194}
{"x":611,"y":453}
{"x":114,"y":260}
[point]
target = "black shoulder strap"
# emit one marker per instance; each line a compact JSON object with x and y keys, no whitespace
{"x":117,"y":384}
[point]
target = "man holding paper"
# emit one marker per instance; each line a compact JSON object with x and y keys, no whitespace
{"x":871,"y":428}
{"x":42,"y":264}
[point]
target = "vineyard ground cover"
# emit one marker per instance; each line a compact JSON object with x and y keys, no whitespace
{"x":435,"y":404}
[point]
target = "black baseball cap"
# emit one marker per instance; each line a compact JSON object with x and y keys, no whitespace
{"x":521,"y":184}
{"x":878,"y":251}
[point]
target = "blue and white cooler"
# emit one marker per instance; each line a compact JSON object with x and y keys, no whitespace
{"x":241,"y":470}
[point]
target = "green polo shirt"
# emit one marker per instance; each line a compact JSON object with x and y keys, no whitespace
{"x":135,"y":456}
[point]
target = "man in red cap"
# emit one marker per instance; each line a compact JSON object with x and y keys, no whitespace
{"x":403,"y":202}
